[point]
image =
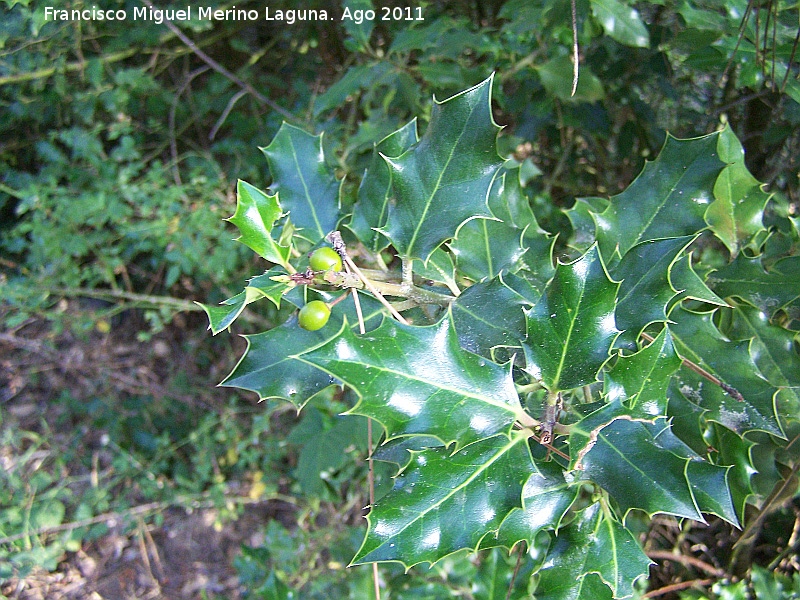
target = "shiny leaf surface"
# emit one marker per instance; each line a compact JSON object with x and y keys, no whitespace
{"x":372,"y":207}
{"x":445,"y":179}
{"x":307,"y":188}
{"x":255,"y":216}
{"x":594,"y":558}
{"x":417,"y":380}
{"x":571,"y":328}
{"x":668,"y":199}
{"x":699,"y":340}
{"x":444,"y":502}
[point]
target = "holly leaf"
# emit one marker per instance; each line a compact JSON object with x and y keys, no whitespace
{"x":372,"y":206}
{"x":484,"y":248}
{"x":593,"y":558}
{"x":624,"y":456}
{"x":582,"y":221}
{"x":255,"y":216}
{"x":487,"y":315}
{"x":683,"y":278}
{"x":439,"y":268}
{"x":736,"y":214}
{"x":697,"y":339}
{"x":641,"y":380}
{"x":269,"y":366}
{"x":645,"y":290}
{"x":262,"y":286}
{"x":771,"y":348}
{"x":546,"y":498}
{"x":571,"y":328}
{"x":444,"y":502}
{"x":668,"y":199}
{"x":445,"y":179}
{"x":768,"y":291}
{"x":417,"y":380}
{"x":307,"y":187}
{"x":621,"y":22}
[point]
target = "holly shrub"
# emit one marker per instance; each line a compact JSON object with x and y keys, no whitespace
{"x":535,"y":390}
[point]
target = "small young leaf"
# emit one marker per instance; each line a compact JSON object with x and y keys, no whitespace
{"x":308,"y":190}
{"x":262,"y":286}
{"x":571,"y":328}
{"x":255,"y":215}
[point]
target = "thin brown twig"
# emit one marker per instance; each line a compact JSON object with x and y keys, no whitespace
{"x":222,"y":70}
{"x":732,"y":391}
{"x":686,"y":560}
{"x":676,"y":587}
{"x":575,"y":50}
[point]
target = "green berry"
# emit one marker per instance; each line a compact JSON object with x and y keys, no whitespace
{"x":314,"y":315}
{"x":325,"y":259}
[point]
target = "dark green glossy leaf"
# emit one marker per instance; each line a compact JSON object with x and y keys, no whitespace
{"x":445,"y":179}
{"x":439,"y":268}
{"x":583,"y":225}
{"x":736,"y":214}
{"x":546,"y":497}
{"x":668,"y":199}
{"x":571,"y":328}
{"x":484,"y":248}
{"x":399,"y":450}
{"x":735,"y":452}
{"x":645,"y":290}
{"x":711,"y":491}
{"x":255,"y":215}
{"x":687,"y":417}
{"x":772,"y":349}
{"x":621,"y":22}
{"x":697,"y":339}
{"x":444,"y":502}
{"x":641,"y":380}
{"x":768,"y":291}
{"x":708,"y":482}
{"x":497,"y":572}
{"x":625,"y":458}
{"x":308,"y":190}
{"x":683,"y":278}
{"x":593,"y":558}
{"x":417,"y":380}
{"x":262,"y":286}
{"x":487,"y":315}
{"x":372,"y":207}
{"x":270,"y":366}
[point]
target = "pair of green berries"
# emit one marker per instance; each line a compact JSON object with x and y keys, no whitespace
{"x":315,"y":314}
